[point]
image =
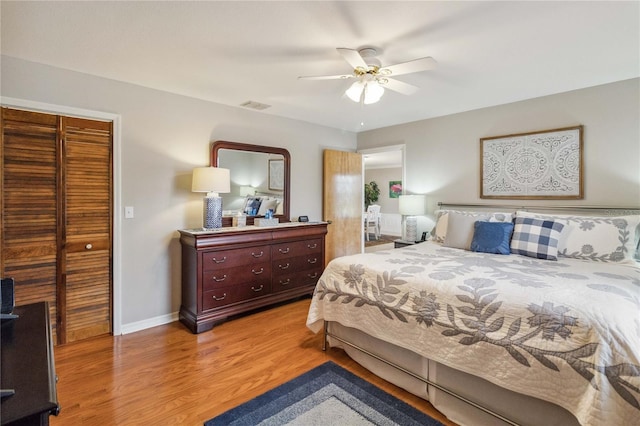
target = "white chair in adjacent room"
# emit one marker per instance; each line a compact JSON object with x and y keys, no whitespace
{"x":372,"y":221}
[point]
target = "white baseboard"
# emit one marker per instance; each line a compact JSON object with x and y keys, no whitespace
{"x":148,"y":323}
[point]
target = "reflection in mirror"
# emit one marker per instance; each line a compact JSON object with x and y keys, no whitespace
{"x":259,"y":180}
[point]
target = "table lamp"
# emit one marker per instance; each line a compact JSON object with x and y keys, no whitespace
{"x":212,"y":180}
{"x":411,"y":206}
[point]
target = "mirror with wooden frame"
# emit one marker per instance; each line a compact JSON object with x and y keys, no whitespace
{"x":260,"y":178}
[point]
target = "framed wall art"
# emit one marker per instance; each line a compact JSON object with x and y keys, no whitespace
{"x":395,"y":188}
{"x":276,"y":175}
{"x":539,"y":165}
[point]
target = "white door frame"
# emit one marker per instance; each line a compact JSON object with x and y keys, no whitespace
{"x":388,"y":148}
{"x":117,"y":202}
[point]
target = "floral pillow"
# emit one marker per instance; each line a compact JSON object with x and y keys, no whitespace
{"x":596,"y":238}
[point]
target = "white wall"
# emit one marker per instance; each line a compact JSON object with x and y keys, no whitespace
{"x":443,"y":154}
{"x":164,"y":136}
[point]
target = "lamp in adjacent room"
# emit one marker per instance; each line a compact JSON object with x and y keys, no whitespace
{"x":411,"y":206}
{"x":212,"y":180}
{"x":245,"y":191}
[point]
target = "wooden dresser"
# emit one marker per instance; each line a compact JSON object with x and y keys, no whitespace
{"x":233,"y":270}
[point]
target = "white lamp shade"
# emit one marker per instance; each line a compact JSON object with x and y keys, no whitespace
{"x":368,"y":91}
{"x":372,"y":92}
{"x":412,"y":205}
{"x":211,"y":179}
{"x":355,"y":91}
{"x":247,"y":190}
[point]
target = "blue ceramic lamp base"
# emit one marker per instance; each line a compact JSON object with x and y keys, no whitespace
{"x":212,"y":213}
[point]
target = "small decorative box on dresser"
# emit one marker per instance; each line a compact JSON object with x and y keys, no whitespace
{"x":233,"y":270}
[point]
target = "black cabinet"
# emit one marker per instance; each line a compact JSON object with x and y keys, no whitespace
{"x":28,"y":367}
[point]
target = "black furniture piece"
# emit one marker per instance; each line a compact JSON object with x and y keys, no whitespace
{"x":402,"y":243}
{"x":27,"y":367}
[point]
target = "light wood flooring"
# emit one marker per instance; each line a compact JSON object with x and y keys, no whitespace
{"x":168,"y":376}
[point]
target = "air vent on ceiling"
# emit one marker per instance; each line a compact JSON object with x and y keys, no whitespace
{"x":255,"y":105}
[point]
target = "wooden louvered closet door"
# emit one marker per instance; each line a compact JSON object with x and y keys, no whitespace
{"x":56,"y":218}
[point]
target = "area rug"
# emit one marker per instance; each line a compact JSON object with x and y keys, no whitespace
{"x":383,"y":239}
{"x":326,"y":395}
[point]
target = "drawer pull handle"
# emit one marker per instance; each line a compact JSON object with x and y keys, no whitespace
{"x":284,"y":251}
{"x":258,"y":272}
{"x":312,"y":261}
{"x":258,"y":254}
{"x":220,"y":298}
{"x":257,"y":289}
{"x":312,"y":246}
{"x":215,"y":259}
{"x":285,"y":282}
{"x":89,"y":246}
{"x":315,"y":274}
{"x":224,"y":277}
{"x":284,"y":266}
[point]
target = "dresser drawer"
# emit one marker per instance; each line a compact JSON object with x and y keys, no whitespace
{"x":296,"y":248}
{"x":228,"y":258}
{"x":296,"y":264}
{"x":224,"y":296}
{"x":296,"y":279}
{"x":223,"y":277}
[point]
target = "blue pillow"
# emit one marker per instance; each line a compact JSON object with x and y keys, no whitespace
{"x":492,"y":237}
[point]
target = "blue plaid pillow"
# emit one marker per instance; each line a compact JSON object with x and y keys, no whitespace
{"x":536,"y":238}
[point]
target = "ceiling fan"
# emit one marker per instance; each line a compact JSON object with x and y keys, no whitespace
{"x":372,"y":78}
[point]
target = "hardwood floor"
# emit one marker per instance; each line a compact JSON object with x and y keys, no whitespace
{"x":168,"y":376}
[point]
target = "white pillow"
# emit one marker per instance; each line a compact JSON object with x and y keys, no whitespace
{"x":439,"y":232}
{"x":269,"y":203}
{"x":460,"y":229}
{"x":596,"y":238}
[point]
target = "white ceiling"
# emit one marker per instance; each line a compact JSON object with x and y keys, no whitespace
{"x":488,"y":53}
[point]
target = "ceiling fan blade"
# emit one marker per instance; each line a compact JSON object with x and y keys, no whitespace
{"x":326,"y":77}
{"x":417,"y":65}
{"x":353,"y":58}
{"x":399,"y":86}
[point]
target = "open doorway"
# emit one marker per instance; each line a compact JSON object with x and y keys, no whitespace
{"x":386,"y":167}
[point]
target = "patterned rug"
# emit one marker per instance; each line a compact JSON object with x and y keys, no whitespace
{"x":383,"y":239}
{"x":327,"y":395}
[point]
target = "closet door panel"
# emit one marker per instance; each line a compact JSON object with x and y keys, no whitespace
{"x":56,"y":223}
{"x":29,"y":207}
{"x":87,"y":243}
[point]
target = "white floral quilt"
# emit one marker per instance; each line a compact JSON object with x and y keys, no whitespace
{"x":565,"y":331}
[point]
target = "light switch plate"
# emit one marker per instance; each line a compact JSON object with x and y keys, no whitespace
{"x":128,"y":212}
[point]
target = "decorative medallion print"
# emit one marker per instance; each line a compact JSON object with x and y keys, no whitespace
{"x":535,"y":165}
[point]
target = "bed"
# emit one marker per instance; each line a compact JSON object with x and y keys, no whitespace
{"x":548,"y":334}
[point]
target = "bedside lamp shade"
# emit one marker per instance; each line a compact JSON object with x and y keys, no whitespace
{"x":212,"y":180}
{"x":411,"y":206}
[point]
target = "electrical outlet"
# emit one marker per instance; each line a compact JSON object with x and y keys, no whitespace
{"x":128,"y":212}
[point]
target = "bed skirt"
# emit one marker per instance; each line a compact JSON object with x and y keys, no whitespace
{"x":518,"y":408}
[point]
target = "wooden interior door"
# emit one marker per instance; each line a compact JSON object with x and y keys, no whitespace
{"x":28,"y":205}
{"x":85,"y":283}
{"x":343,"y":203}
{"x":56,"y":227}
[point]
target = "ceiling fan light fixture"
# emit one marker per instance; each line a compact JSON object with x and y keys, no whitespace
{"x":355,"y":91}
{"x":372,"y":92}
{"x":367,"y":92}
